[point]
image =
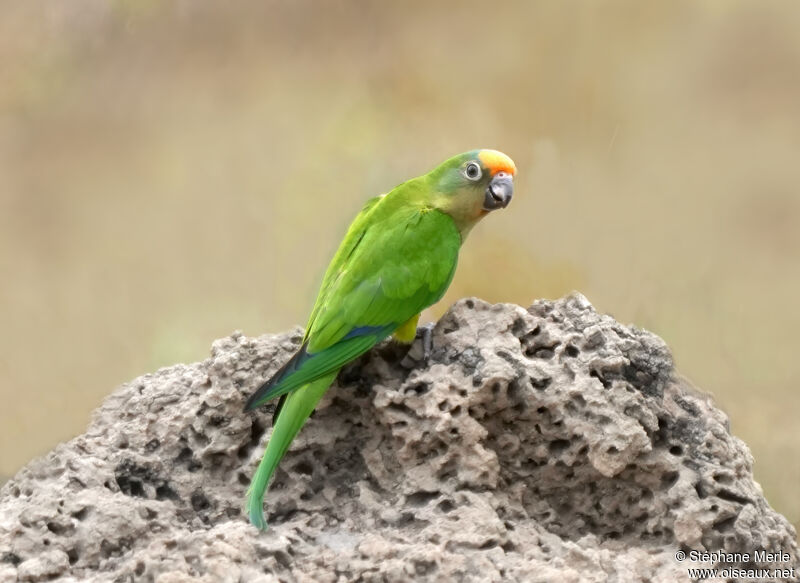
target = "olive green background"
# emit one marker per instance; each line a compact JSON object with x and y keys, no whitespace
{"x":172,"y":171}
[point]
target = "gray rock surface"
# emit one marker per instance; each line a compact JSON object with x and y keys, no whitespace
{"x":548,"y":444}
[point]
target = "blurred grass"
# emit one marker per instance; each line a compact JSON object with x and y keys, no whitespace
{"x":170,"y":172}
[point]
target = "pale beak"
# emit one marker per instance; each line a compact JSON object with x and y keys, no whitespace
{"x":499,"y":192}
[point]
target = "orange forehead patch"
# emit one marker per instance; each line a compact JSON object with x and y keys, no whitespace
{"x":497,"y":162}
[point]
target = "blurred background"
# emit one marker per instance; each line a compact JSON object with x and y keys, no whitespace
{"x":172,"y":171}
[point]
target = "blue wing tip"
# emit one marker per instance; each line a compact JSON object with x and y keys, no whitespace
{"x":367,"y":330}
{"x":271,"y":388}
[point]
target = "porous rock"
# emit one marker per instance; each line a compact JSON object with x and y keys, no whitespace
{"x":547,"y":444}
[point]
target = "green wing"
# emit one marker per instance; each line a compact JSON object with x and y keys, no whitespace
{"x":351,"y":241}
{"x":393,"y":263}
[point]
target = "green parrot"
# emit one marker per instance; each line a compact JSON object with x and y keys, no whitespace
{"x":398,"y":258}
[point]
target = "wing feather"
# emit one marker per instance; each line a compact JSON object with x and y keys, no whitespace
{"x":385,"y":272}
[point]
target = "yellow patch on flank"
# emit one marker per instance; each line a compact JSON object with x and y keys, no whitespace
{"x":407,"y":331}
{"x":497,"y":162}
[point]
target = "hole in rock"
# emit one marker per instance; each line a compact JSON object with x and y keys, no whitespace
{"x":164,"y":492}
{"x":200,"y":501}
{"x":558,"y":446}
{"x":417,"y":389}
{"x":701,"y":492}
{"x":669,"y":479}
{"x":724,"y":524}
{"x":55,"y":528}
{"x":80,"y":514}
{"x":732,"y":497}
{"x":421,"y":498}
{"x":304,"y":467}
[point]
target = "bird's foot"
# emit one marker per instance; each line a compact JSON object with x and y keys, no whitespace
{"x":426,"y":333}
{"x":419,"y":353}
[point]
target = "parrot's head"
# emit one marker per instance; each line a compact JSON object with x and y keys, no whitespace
{"x":471,"y":185}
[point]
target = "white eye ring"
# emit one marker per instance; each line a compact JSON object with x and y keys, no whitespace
{"x":473,"y":171}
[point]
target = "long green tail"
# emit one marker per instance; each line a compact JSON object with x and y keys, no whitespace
{"x":298,"y":406}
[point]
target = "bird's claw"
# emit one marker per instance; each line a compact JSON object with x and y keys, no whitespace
{"x":426,"y":333}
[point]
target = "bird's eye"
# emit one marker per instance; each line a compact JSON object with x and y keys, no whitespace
{"x":473,"y":171}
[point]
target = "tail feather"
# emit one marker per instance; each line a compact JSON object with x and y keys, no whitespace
{"x":278,"y":408}
{"x":295,"y":410}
